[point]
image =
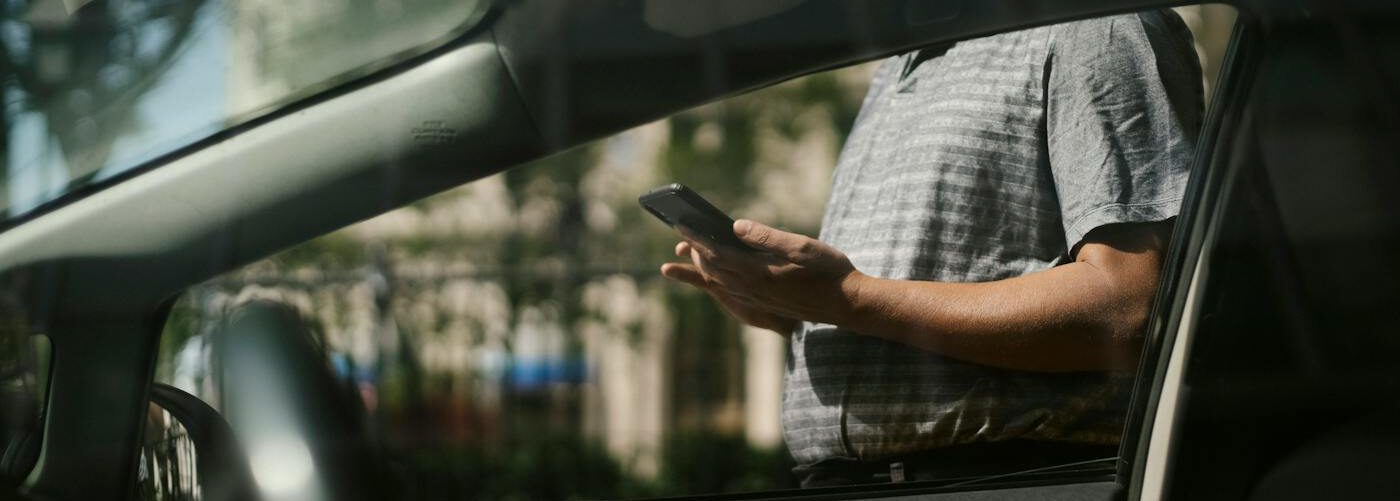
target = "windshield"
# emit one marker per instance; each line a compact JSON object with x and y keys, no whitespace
{"x":93,"y":88}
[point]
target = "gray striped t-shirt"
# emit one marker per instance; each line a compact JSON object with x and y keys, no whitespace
{"x":979,"y":161}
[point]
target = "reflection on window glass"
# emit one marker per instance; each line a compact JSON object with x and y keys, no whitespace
{"x":167,"y":468}
{"x":91,"y":89}
{"x":512,"y":338}
{"x":516,"y":329}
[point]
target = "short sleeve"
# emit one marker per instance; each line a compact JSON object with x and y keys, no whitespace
{"x":1123,"y":109}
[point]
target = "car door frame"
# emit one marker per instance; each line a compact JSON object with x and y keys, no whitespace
{"x":1152,"y":418}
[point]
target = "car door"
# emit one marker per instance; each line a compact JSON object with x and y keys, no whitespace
{"x":1277,"y":367}
{"x":97,"y":265}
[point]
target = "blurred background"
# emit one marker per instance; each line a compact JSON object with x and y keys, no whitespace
{"x":509,"y":339}
{"x":512,"y":337}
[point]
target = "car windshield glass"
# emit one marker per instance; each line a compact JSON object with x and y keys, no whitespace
{"x":93,"y":88}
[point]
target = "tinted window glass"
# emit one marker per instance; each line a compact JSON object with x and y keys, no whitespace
{"x":516,"y":329}
{"x":512,"y":338}
{"x":92,"y":89}
{"x":168,"y":464}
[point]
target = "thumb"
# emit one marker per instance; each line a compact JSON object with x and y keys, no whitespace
{"x":760,"y":236}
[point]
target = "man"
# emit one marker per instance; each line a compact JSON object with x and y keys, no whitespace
{"x":988,"y":256}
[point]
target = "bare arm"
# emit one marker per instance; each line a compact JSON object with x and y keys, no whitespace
{"x":1085,"y":315}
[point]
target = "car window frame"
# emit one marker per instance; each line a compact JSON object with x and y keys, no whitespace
{"x":1147,"y":433}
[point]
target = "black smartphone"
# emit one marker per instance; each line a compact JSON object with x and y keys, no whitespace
{"x":675,"y":204}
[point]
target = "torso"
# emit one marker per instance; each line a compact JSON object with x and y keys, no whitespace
{"x":944,"y":177}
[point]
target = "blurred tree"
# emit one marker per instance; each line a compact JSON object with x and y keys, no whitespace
{"x":448,"y":404}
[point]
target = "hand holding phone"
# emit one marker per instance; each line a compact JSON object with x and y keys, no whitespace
{"x":675,"y":204}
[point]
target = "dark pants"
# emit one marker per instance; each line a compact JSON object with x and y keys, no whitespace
{"x":947,"y":463}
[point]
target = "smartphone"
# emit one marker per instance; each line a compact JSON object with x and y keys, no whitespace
{"x":675,"y":204}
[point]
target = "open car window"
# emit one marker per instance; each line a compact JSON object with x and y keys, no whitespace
{"x":516,"y":328}
{"x":512,"y":339}
{"x":93,"y":89}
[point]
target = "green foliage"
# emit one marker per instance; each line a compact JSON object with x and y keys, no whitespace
{"x":336,"y":251}
{"x":183,"y":323}
{"x":721,"y":172}
{"x":704,"y":334}
{"x":827,"y":90}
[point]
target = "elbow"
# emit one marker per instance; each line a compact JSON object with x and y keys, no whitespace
{"x":1125,"y":330}
{"x":1131,"y":322}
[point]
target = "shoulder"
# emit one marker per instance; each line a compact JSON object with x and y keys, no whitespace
{"x":887,"y":73}
{"x":1120,"y":40}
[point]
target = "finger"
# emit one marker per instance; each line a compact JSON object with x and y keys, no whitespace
{"x":721,"y":256}
{"x":736,"y":284}
{"x":791,"y":246}
{"x":699,"y":263}
{"x":709,"y":249}
{"x":700,"y":243}
{"x":717,"y":278}
{"x":729,"y":300}
{"x":683,"y":249}
{"x":685,"y":273}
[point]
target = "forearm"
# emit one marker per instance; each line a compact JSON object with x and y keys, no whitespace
{"x":1086,"y":315}
{"x":1068,"y":318}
